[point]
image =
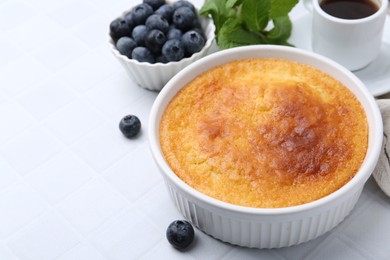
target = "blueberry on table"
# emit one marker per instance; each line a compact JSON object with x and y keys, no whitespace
{"x":183,"y":17}
{"x":154,"y":40}
{"x":193,"y":41}
{"x":120,"y":27}
{"x":155,"y":4}
{"x":142,"y":54}
{"x":140,"y":12}
{"x":130,"y":125}
{"x":165,"y":11}
{"x":180,"y":234}
{"x":158,"y":22}
{"x":125,"y":46}
{"x":182,"y":3}
{"x":139,"y":34}
{"x":173,"y":50}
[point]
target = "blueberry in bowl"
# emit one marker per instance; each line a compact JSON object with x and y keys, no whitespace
{"x":155,"y":40}
{"x":140,"y":13}
{"x":160,"y":38}
{"x":183,"y":18}
{"x":173,"y":50}
{"x":126,"y":45}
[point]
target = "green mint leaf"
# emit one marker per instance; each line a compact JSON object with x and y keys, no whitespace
{"x":218,"y":11}
{"x":224,"y":43}
{"x":233,"y":34}
{"x":255,"y":14}
{"x":234,"y":31}
{"x":247,"y":22}
{"x":233,"y":3}
{"x":281,"y":7}
{"x":223,"y":35}
{"x":281,"y":30}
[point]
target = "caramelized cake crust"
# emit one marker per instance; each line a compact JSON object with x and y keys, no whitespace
{"x":264,"y":133}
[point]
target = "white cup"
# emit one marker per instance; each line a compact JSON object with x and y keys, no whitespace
{"x":352,"y":43}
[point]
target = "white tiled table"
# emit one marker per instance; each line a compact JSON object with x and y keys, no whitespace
{"x":71,"y":186}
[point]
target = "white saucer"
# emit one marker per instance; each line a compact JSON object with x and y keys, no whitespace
{"x":375,"y":76}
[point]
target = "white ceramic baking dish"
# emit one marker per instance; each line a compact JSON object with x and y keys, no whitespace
{"x":266,"y":227}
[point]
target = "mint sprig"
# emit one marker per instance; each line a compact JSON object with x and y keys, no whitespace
{"x":249,"y":22}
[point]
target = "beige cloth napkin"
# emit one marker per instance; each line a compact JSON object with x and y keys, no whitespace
{"x":382,"y":171}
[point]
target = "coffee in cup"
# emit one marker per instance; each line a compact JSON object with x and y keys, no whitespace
{"x":348,"y":31}
{"x":349,"y":9}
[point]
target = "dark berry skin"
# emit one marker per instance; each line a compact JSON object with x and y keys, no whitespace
{"x":173,"y":50}
{"x":183,"y":18}
{"x":140,"y":13}
{"x":180,"y":234}
{"x":165,"y":11}
{"x":161,"y":59}
{"x":129,"y":20}
{"x":198,"y":27}
{"x":139,"y":34}
{"x":125,"y":46}
{"x":130,"y":126}
{"x":142,"y":54}
{"x":119,"y":28}
{"x":182,"y":3}
{"x":158,"y":22}
{"x":174,"y":33}
{"x":155,"y":4}
{"x":192,"y":41}
{"x":154,"y":40}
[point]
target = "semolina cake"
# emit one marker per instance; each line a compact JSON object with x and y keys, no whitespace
{"x":264,"y":133}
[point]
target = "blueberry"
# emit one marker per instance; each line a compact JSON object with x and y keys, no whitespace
{"x":174,"y":33}
{"x":192,"y":41}
{"x":139,"y":34}
{"x":154,"y":40}
{"x":158,"y":22}
{"x":142,"y":54}
{"x":155,"y":4}
{"x":198,"y":27}
{"x":173,"y":50}
{"x":182,"y":3}
{"x":129,"y":20}
{"x":118,"y":28}
{"x":180,"y":234}
{"x":140,"y":12}
{"x":165,"y":11}
{"x":200,"y":31}
{"x":161,"y":59}
{"x":130,"y":126}
{"x":183,"y":18}
{"x":126,"y":45}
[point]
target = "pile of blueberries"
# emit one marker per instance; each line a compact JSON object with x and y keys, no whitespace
{"x":155,"y":31}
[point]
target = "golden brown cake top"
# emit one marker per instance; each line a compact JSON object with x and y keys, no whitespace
{"x":264,"y":133}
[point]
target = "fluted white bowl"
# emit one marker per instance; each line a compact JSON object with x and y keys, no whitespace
{"x":155,"y":76}
{"x":266,"y":227}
